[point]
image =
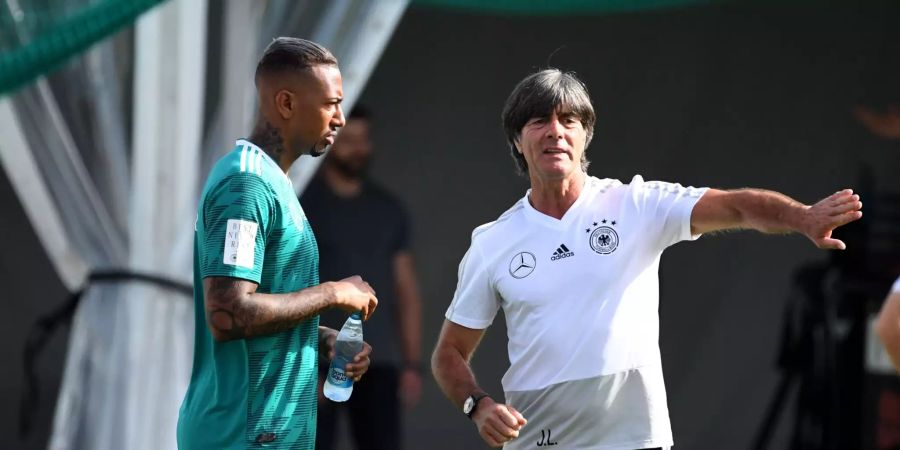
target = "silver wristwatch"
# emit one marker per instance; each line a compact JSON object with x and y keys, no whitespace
{"x":471,"y":403}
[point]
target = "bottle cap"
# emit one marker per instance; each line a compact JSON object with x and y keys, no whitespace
{"x":357,"y":315}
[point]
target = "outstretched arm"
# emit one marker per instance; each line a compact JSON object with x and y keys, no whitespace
{"x":883,"y":124}
{"x":773,"y":212}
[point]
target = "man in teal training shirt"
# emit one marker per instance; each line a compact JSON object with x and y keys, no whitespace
{"x":257,"y":294}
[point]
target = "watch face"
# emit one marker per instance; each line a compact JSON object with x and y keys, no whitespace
{"x":467,"y":406}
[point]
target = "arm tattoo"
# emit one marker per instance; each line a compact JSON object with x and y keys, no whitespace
{"x":233,"y":311}
{"x":268,"y":138}
{"x":224,"y":313}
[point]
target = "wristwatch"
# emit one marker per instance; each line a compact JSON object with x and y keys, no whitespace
{"x":471,"y":403}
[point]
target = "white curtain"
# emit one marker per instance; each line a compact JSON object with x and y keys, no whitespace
{"x":107,"y":158}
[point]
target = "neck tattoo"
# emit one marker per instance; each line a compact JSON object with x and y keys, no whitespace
{"x":268,"y":138}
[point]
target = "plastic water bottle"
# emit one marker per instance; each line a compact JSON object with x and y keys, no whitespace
{"x":339,"y":386}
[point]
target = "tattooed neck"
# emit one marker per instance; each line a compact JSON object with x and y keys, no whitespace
{"x":268,"y":138}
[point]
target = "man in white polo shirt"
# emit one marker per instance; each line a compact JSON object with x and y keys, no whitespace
{"x":888,"y":324}
{"x":574,"y":266}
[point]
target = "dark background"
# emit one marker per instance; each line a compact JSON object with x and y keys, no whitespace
{"x":706,"y":97}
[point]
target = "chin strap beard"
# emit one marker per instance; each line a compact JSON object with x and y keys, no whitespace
{"x":317,"y":153}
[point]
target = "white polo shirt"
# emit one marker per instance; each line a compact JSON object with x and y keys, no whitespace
{"x":580,"y":296}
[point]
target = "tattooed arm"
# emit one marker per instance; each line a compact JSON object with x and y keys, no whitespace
{"x":234,"y":310}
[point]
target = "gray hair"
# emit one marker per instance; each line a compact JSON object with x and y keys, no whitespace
{"x":539,"y":95}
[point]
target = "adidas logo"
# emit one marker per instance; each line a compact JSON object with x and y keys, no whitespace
{"x":561,"y":252}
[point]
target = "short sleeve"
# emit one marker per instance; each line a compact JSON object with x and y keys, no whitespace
{"x":666,"y":208}
{"x":236,"y":215}
{"x":896,"y":287}
{"x":475,"y":302}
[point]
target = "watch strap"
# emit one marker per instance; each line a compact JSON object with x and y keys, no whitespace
{"x":475,"y":399}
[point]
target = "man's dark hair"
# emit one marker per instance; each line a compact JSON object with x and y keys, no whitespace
{"x":289,"y":54}
{"x":539,"y":95}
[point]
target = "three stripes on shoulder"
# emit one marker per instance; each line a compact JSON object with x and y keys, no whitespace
{"x":251,"y":160}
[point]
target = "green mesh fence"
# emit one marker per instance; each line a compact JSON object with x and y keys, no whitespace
{"x":582,"y":7}
{"x":36,"y":36}
{"x":558,"y":7}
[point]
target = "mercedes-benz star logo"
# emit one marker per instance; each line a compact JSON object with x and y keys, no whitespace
{"x":521,"y":265}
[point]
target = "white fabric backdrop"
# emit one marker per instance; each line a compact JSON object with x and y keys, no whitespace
{"x":107,"y":157}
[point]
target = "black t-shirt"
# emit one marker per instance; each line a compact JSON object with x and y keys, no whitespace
{"x":360,"y":236}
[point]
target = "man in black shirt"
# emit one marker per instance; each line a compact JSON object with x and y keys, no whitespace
{"x":363,"y":229}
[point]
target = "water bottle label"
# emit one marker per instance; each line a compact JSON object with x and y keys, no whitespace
{"x":336,"y":375}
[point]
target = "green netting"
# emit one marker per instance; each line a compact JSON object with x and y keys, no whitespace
{"x":580,"y":7}
{"x":36,"y":36}
{"x":558,"y":7}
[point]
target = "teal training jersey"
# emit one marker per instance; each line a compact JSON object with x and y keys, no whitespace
{"x":258,"y":392}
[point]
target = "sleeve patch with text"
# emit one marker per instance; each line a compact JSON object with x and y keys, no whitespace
{"x":240,"y":243}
